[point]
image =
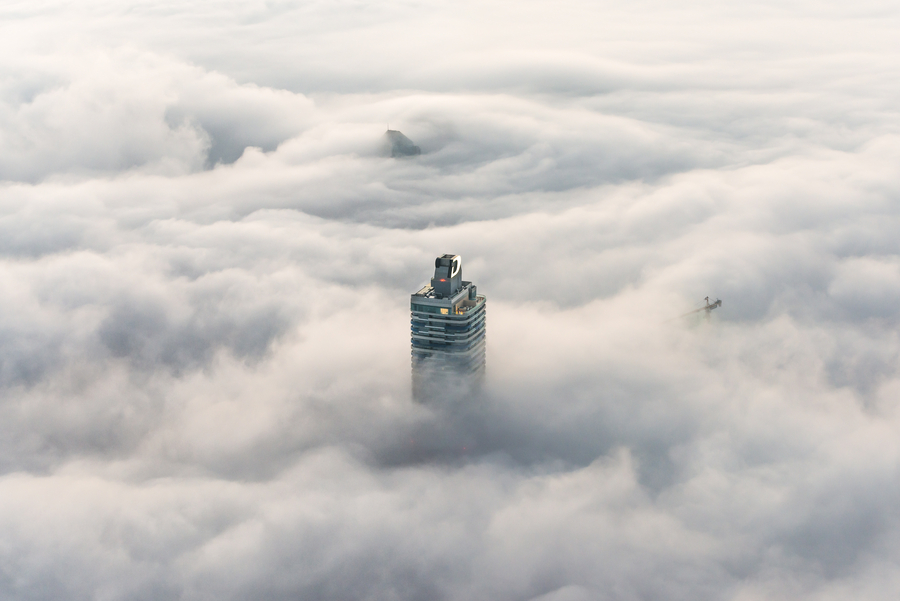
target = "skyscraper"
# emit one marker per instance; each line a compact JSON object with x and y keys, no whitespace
{"x":448,"y":333}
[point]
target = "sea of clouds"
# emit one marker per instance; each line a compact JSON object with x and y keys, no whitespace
{"x":205,"y":266}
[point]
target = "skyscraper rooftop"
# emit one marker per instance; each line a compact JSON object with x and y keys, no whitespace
{"x":398,"y":145}
{"x":447,"y":332}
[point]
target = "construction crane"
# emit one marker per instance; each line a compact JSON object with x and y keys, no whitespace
{"x":708,"y":308}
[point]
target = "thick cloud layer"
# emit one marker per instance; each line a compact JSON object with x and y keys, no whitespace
{"x":206,"y":262}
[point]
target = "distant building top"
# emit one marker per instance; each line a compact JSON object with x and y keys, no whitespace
{"x":398,"y":145}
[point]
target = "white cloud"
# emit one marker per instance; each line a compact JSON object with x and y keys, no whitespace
{"x":204,"y":266}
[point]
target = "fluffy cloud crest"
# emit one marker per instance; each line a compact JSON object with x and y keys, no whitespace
{"x":205,"y":263}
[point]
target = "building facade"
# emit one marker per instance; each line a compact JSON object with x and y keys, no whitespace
{"x":448,"y":333}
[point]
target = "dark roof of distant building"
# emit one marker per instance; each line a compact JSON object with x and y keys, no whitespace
{"x":398,"y":145}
